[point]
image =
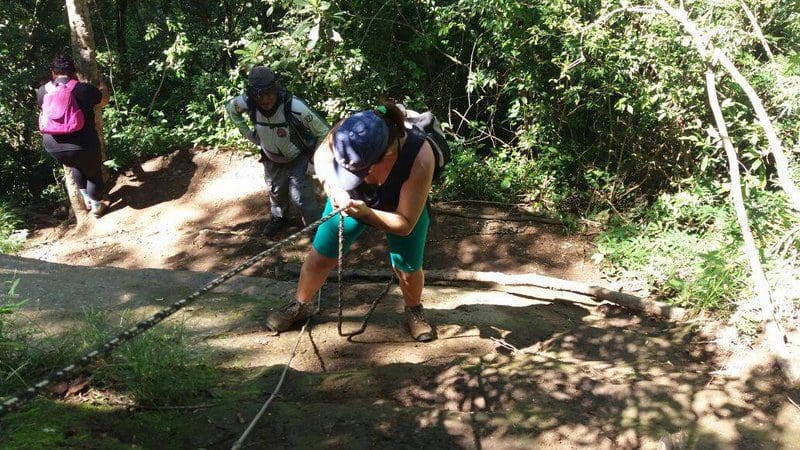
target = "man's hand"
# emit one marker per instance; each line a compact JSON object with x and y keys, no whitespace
{"x":251,"y":136}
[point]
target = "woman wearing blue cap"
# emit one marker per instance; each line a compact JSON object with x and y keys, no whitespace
{"x":382,"y":172}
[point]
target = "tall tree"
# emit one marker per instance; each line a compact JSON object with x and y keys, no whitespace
{"x":84,"y":53}
{"x":122,"y":43}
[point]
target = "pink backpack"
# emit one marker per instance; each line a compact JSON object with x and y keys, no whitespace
{"x":61,"y":113}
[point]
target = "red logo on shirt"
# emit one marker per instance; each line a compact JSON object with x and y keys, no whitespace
{"x":280,"y":132}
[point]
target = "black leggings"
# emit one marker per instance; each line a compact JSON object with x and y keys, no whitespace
{"x":86,"y":170}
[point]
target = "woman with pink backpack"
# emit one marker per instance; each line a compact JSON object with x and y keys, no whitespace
{"x":68,"y":131}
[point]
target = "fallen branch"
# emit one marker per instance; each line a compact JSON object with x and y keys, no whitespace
{"x":531,"y":279}
{"x":174,"y":407}
{"x":632,"y":302}
{"x":776,"y":339}
{"x":458,"y":212}
{"x":701,"y":43}
{"x":470,"y":201}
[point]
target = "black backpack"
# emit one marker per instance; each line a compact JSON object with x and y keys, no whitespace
{"x":299,"y":133}
{"x":429,"y":124}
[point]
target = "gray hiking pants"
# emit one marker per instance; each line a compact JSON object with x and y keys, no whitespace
{"x":288,"y":183}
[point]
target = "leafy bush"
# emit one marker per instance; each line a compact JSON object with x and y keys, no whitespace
{"x":132,"y":136}
{"x":689,"y":249}
{"x":8,"y":224}
{"x":13,"y":345}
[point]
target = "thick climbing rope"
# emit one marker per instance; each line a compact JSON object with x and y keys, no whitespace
{"x":20,"y":398}
{"x":341,"y":290}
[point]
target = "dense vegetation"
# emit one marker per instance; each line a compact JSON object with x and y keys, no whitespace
{"x":576,"y":107}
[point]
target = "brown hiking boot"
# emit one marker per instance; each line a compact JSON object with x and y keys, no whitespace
{"x":274,"y":225}
{"x":293,"y":311}
{"x":419,"y":328}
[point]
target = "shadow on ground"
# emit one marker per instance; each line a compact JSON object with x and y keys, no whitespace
{"x":155,"y":181}
{"x":508,"y":371}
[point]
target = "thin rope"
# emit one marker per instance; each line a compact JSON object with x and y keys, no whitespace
{"x":21,"y":397}
{"x":238,"y":444}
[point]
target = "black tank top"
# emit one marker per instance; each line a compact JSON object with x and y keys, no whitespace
{"x":387,"y":196}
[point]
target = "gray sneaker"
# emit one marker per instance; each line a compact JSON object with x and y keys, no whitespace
{"x":293,"y":311}
{"x":98,"y":208}
{"x":418,"y":326}
{"x":87,"y":201}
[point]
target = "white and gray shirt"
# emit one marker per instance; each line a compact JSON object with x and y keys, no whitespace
{"x":273,"y":131}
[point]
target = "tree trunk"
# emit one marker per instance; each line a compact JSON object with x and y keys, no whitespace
{"x":227,"y":32}
{"x":84,"y":54}
{"x":122,"y":44}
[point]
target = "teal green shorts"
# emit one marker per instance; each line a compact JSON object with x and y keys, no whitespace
{"x":405,"y":252}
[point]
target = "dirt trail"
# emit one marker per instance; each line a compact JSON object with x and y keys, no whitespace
{"x":512,"y":368}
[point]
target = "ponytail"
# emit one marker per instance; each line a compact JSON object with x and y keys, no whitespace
{"x":394,"y":118}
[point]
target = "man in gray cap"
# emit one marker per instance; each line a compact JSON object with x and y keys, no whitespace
{"x":287,"y":132}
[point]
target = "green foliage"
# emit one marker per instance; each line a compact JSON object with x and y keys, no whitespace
{"x":503,"y":176}
{"x":12,"y":343}
{"x":157,"y":368}
{"x":132,"y":136}
{"x":688,"y":248}
{"x":6,"y":309}
{"x":9,"y":222}
{"x":621,"y":100}
{"x":22,"y":36}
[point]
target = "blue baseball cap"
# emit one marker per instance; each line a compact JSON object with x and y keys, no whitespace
{"x":358,"y":143}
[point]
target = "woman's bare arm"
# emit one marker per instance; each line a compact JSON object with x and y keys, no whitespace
{"x":413,"y":195}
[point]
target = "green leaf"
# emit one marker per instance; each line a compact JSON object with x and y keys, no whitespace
{"x":313,"y":36}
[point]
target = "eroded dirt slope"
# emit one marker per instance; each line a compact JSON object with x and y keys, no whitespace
{"x":513,"y":368}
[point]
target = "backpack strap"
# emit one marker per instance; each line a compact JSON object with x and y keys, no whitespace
{"x":252,"y":110}
{"x":71,"y":84}
{"x":299,"y":133}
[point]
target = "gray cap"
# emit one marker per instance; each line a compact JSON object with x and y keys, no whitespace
{"x":261,"y":77}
